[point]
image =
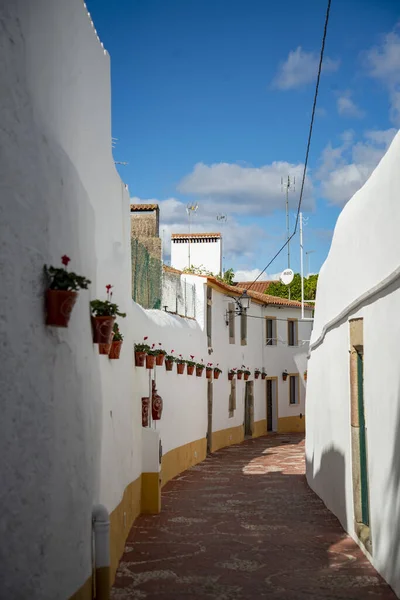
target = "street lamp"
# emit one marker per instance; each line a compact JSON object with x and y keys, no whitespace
{"x":242,"y":305}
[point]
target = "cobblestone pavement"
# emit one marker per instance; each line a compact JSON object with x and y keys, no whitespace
{"x":244,"y":525}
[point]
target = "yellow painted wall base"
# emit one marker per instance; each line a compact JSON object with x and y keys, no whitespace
{"x":151,"y":493}
{"x":179,"y":459}
{"x":291,"y":424}
{"x":260,"y":428}
{"x":227,"y":437}
{"x":85,"y":592}
{"x":120,"y":526}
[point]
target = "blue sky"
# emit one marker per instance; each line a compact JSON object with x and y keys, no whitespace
{"x":212,"y":101}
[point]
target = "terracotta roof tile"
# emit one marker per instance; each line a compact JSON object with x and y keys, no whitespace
{"x":135,"y":207}
{"x":195,"y":235}
{"x":258,"y":286}
{"x":169,"y":269}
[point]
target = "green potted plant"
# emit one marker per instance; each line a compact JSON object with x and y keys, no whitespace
{"x":62,"y":292}
{"x":180,"y":365}
{"x":140,"y":352}
{"x":160,"y":356}
{"x":116,"y":343}
{"x":209,"y":370}
{"x":263,"y":374}
{"x":200,"y":368}
{"x":151,"y":357}
{"x":257,"y":373}
{"x":190,"y":365}
{"x":231,"y":374}
{"x":169,"y":361}
{"x":217,"y":371}
{"x":104,"y":313}
{"x":239,"y":373}
{"x":246,"y":373}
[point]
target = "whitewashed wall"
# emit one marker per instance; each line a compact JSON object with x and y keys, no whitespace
{"x":70,"y":429}
{"x":205,"y":254}
{"x":360,"y":278}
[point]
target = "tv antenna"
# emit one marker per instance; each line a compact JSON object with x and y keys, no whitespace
{"x":288,"y":186}
{"x":222,"y":219}
{"x":191,"y":210}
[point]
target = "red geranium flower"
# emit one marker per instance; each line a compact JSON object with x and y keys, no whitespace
{"x":108,"y":287}
{"x":191,"y":356}
{"x":65,"y":260}
{"x":145,"y":338}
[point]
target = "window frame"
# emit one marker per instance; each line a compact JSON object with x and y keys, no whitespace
{"x":274,"y":338}
{"x":297,"y":388}
{"x":295,"y":332}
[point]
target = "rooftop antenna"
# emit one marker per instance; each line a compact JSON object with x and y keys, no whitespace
{"x":223,"y":219}
{"x":191,"y":210}
{"x":288,"y":186}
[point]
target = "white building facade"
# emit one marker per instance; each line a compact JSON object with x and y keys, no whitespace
{"x":197,"y":250}
{"x":353,"y":389}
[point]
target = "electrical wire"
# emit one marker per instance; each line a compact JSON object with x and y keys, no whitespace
{"x":308,"y":144}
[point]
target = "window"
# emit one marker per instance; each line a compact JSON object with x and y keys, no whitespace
{"x":243,"y":327}
{"x":209,"y":316}
{"x":293,"y":332}
{"x":270,"y":331}
{"x":293,"y":389}
{"x":231,"y":315}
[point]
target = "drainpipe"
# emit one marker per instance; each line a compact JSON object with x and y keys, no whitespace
{"x":101,"y":529}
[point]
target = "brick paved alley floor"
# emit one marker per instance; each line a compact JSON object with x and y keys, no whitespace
{"x":244,"y":525}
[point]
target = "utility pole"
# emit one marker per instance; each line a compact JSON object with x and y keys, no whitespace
{"x":191,"y":209}
{"x":288,"y":186}
{"x":301,"y":263}
{"x":222,"y":219}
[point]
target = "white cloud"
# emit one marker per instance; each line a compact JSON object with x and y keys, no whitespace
{"x":245,"y":189}
{"x":383,"y":63}
{"x":252,"y":274}
{"x":347,"y":167}
{"x":300,"y":68}
{"x":347,"y":107}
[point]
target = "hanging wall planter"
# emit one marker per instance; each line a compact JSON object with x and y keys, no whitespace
{"x":160,"y":356}
{"x":116,"y":344}
{"x":103,"y":318}
{"x":217,"y":372}
{"x":246,"y":376}
{"x":105,"y":348}
{"x":150,"y":361}
{"x":156,"y":403}
{"x":257,"y":374}
{"x":180,"y":367}
{"x":231,"y":374}
{"x":61,"y":293}
{"x":190,"y":365}
{"x":209,"y":372}
{"x":239,"y":374}
{"x":199,"y":369}
{"x":284,"y":375}
{"x":169,"y":362}
{"x":263,"y":375}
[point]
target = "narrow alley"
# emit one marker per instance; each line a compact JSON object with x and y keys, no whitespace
{"x":243,"y":525}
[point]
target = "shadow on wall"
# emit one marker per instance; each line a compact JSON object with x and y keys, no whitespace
{"x":329,"y":482}
{"x":386,"y":537}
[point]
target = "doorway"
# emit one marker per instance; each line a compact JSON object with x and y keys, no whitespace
{"x":249,"y":409}
{"x":209,"y":413}
{"x":272,"y":404}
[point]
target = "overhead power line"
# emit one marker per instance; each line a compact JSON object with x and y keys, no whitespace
{"x":321,"y":58}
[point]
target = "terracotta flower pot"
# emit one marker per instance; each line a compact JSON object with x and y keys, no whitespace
{"x":190,"y":369}
{"x":145,"y":411}
{"x":199,"y":371}
{"x":246,"y":376}
{"x":156,"y":407}
{"x":59,"y":305}
{"x":216,"y":374}
{"x":284,"y":376}
{"x":209,"y":373}
{"x":105,"y":349}
{"x":115,"y":350}
{"x":160,"y":360}
{"x":150,"y":361}
{"x":140,"y":358}
{"x":102,"y":329}
{"x":180,"y":367}
{"x":168,"y":365}
{"x":256,"y":375}
{"x":231,"y":376}
{"x":239,"y":375}
{"x":263,"y":375}
{"x":305,"y":375}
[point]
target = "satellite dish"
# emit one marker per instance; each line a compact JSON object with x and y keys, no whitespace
{"x":287,"y":276}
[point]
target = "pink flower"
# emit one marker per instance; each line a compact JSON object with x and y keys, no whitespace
{"x":146,"y":338}
{"x":191,"y":356}
{"x":172,"y":351}
{"x":152,"y":345}
{"x":65,"y":260}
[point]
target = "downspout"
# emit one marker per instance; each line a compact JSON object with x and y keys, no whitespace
{"x":101,"y":530}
